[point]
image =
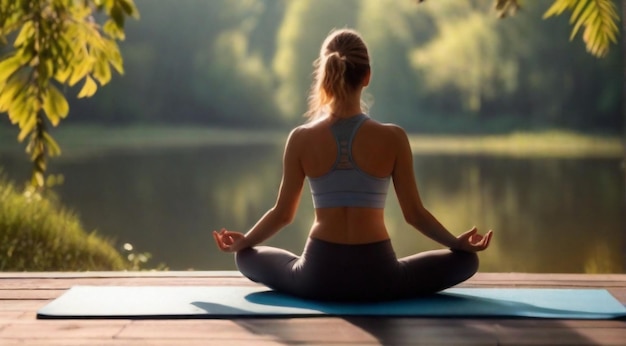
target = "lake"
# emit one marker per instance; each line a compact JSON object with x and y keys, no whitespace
{"x":548,"y":214}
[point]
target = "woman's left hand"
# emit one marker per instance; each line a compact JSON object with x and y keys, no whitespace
{"x":228,"y":241}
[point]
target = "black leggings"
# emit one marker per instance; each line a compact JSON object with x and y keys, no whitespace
{"x":367,"y":272}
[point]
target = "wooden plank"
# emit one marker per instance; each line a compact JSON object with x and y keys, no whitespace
{"x":478,"y":278}
{"x":619,"y":294}
{"x":120,"y":274}
{"x":555,"y":324}
{"x":63,"y":329}
{"x":38,"y":283}
{"x":530,"y":277}
{"x":138,"y":342}
{"x":187,"y":329}
{"x":45,"y":280}
{"x":546,"y":284}
{"x":32,"y":294}
{"x":561,"y":336}
{"x":65,"y":283}
{"x":10,"y":315}
{"x":21,"y":305}
{"x":371,"y":330}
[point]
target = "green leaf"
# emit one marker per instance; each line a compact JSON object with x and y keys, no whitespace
{"x":598,"y":18}
{"x":9,"y":66}
{"x":111,"y":29}
{"x":45,"y":69}
{"x":89,"y":88}
{"x":558,"y":7}
{"x":80,"y":71}
{"x":6,"y":96}
{"x":118,"y":16}
{"x":11,"y":91}
{"x":55,"y":105}
{"x":580,"y":6}
{"x":53,"y":146}
{"x":19,"y":114}
{"x":17,"y":109}
{"x":586,"y":16}
{"x":37,"y":179}
{"x":115,"y":58}
{"x":62,"y":75}
{"x":26,"y":33}
{"x":102,"y":71}
{"x":129,"y":8}
{"x":28,"y":127}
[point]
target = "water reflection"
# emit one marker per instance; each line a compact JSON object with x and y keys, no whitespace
{"x":550,"y":215}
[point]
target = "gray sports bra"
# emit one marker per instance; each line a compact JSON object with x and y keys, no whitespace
{"x":346,"y":185}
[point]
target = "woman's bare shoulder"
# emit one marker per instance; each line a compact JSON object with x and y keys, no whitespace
{"x":308,"y":130}
{"x":299,"y":135}
{"x":389,"y":130}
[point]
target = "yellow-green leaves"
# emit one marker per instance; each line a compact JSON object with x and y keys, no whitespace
{"x":117,"y":11}
{"x":55,"y":105}
{"x":28,"y":30}
{"x":52,"y":145}
{"x":89,"y":88}
{"x":55,"y":43}
{"x":9,"y":65}
{"x":14,"y":97}
{"x":599,"y":19}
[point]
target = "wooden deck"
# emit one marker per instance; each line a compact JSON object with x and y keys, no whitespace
{"x":22,"y":294}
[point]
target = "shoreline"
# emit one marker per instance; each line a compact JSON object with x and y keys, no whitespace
{"x":80,"y":140}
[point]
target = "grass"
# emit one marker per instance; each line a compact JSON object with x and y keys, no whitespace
{"x":39,"y":234}
{"x":85,"y":140}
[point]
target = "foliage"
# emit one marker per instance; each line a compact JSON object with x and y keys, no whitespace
{"x":247,"y":64}
{"x":390,"y":32}
{"x":479,"y":66}
{"x":475,"y":38}
{"x":305,"y":25}
{"x":55,"y":43}
{"x":598,"y":18}
{"x":228,"y":68}
{"x":38,"y":234}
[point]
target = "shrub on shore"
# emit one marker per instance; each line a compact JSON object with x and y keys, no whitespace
{"x":39,"y":234}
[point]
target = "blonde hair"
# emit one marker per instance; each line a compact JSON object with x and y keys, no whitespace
{"x":340,"y":69}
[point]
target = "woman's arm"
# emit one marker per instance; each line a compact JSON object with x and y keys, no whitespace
{"x":414,"y":211}
{"x":284,"y":209}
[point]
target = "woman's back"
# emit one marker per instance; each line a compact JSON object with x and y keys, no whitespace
{"x":373,"y":152}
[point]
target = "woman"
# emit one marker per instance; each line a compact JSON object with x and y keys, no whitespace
{"x":349,"y":160}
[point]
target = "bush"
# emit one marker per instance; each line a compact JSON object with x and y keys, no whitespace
{"x":39,"y":234}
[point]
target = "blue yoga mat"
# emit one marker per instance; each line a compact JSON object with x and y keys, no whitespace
{"x":167,"y":302}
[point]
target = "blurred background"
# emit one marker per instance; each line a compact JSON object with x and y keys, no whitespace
{"x":514,"y":128}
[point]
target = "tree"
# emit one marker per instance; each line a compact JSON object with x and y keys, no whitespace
{"x":598,"y":22}
{"x":390,"y":30}
{"x":305,"y":24}
{"x":598,"y":18}
{"x":56,"y":43}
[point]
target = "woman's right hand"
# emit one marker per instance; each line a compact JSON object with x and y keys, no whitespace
{"x":472,"y":241}
{"x":228,"y":241}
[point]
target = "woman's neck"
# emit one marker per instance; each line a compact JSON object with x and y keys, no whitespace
{"x":351,"y":107}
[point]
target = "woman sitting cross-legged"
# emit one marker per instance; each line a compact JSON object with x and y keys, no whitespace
{"x":349,"y":160}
